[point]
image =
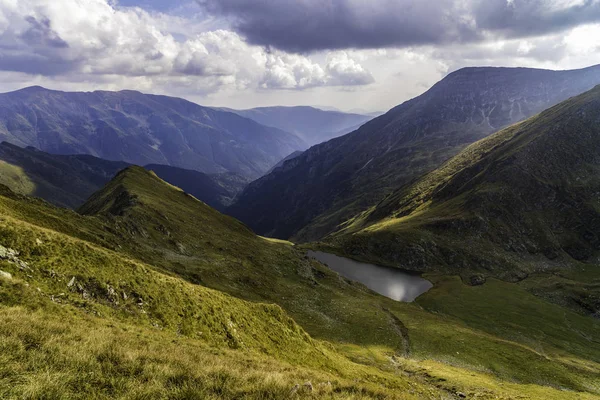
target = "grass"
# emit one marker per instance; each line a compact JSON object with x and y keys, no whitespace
{"x":16,"y":178}
{"x":83,"y":357}
{"x":161,"y":246}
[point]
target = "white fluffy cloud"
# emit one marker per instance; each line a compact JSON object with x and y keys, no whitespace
{"x":96,"y":39}
{"x":97,"y":44}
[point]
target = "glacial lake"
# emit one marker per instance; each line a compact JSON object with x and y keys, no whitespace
{"x":390,"y":282}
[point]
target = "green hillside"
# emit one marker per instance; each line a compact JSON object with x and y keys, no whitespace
{"x":139,"y":270}
{"x":521,"y":203}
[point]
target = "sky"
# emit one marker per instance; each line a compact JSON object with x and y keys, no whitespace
{"x":346,"y":54}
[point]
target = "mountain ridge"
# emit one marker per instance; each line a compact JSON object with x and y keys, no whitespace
{"x":142,"y":129}
{"x":333,"y":181}
{"x":521,"y":200}
{"x":69,"y":180}
{"x":312,"y":124}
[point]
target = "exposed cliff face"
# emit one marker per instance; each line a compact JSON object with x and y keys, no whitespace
{"x":142,"y":129}
{"x":310,"y":196}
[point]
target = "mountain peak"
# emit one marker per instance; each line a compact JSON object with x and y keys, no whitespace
{"x":31,"y":90}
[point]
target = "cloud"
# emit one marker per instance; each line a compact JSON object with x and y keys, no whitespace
{"x":313,"y":25}
{"x":41,"y":34}
{"x":345,"y":71}
{"x":102,"y":41}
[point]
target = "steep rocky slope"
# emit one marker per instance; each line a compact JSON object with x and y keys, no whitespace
{"x":142,"y":129}
{"x":328,"y":184}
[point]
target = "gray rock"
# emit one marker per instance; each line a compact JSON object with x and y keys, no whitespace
{"x":308,"y":386}
{"x":5,"y":275}
{"x":295,"y":389}
{"x":477,"y":280}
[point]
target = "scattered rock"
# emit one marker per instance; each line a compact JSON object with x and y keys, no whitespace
{"x":477,"y":280}
{"x":295,"y":389}
{"x":112,"y":293}
{"x":8,"y":254}
{"x":12,"y":256}
{"x":308,"y":387}
{"x":5,"y":275}
{"x":38,"y":242}
{"x":71,"y":282}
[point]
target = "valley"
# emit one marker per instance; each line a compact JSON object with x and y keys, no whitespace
{"x":146,"y":258}
{"x":447,"y":249}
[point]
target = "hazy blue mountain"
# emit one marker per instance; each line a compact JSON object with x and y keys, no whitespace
{"x":311,"y":124}
{"x":142,"y":129}
{"x":311,"y":195}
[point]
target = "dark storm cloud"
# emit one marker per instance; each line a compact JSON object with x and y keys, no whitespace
{"x":35,"y":50}
{"x":308,"y":25}
{"x":523,"y":18}
{"x":40,"y":33}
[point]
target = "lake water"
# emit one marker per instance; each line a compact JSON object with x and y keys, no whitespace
{"x":390,"y":282}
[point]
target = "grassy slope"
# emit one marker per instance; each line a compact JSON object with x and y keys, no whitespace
{"x":62,"y":341}
{"x":163,"y":230}
{"x":520,"y":201}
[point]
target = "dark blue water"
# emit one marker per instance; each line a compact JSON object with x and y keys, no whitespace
{"x":390,"y":282}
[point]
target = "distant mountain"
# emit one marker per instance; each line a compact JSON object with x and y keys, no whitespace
{"x":523,"y":200}
{"x":68,"y":181}
{"x":330,"y":183}
{"x":142,"y":129}
{"x":365,"y":112}
{"x":313,"y":125}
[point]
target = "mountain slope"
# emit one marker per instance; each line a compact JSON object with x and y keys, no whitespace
{"x":163,"y":248}
{"x":523,"y":200}
{"x":142,"y":129}
{"x":311,"y":124}
{"x":68,"y":181}
{"x":280,"y":163}
{"x":217,"y":190}
{"x":331,"y":182}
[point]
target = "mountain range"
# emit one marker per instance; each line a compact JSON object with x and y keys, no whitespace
{"x":69,"y":180}
{"x":311,"y":195}
{"x":142,"y":129}
{"x":313,"y":125}
{"x":127,"y":281}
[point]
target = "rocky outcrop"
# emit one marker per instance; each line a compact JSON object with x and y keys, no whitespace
{"x":12,"y":256}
